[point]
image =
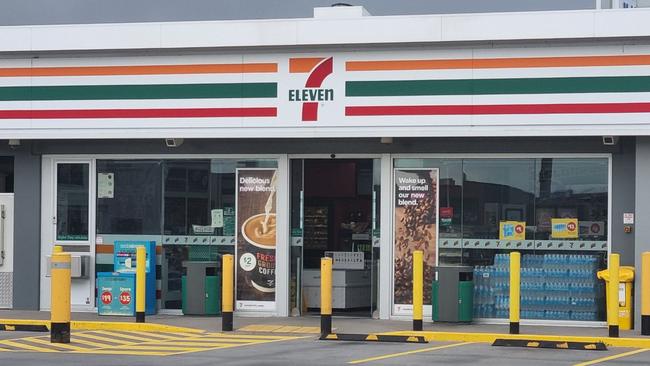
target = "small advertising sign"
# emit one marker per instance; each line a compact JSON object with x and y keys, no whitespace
{"x":446,"y":216}
{"x":512,"y":230}
{"x":256,"y":238}
{"x":564,"y":228}
{"x":116,"y":294}
{"x":124,"y":255}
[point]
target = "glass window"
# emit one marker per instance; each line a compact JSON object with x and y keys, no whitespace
{"x":72,"y":201}
{"x":196,"y":191}
{"x":562,"y":203}
{"x":572,"y":189}
{"x":496,"y":190}
{"x":6,"y":174}
{"x":129,"y":197}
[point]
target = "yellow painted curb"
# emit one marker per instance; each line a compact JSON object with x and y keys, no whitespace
{"x":491,"y":337}
{"x":97,"y":325}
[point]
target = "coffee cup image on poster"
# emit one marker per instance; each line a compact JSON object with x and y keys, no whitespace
{"x":416,"y":228}
{"x":256,"y":237}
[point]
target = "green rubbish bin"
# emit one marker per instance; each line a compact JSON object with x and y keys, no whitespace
{"x":457,"y":283}
{"x":201,"y":288}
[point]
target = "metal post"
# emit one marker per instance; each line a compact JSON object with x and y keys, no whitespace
{"x":227,"y":293}
{"x":140,"y":284}
{"x":612,"y":295}
{"x":325,"y":296}
{"x":515,"y":282}
{"x":418,"y":287}
{"x":60,"y":300}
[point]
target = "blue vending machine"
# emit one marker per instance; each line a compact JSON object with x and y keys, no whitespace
{"x":125,"y":264}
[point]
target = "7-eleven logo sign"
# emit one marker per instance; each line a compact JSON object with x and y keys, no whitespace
{"x":312,"y":94}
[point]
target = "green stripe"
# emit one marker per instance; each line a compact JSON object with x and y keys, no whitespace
{"x":170,"y":91}
{"x":613,"y":84}
{"x":104,"y":267}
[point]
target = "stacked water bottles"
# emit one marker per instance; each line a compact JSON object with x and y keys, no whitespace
{"x":553,"y":287}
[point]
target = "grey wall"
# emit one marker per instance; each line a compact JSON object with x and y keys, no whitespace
{"x":327,"y":146}
{"x":27,"y":224}
{"x":642,"y":219}
{"x":623,"y":186}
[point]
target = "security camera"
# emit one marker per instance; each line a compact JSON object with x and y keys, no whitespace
{"x":610,"y":140}
{"x":13,"y":143}
{"x":333,"y":156}
{"x":173,"y":142}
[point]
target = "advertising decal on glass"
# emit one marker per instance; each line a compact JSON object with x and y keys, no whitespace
{"x":256,"y":238}
{"x":416,"y":228}
{"x":564,"y":228}
{"x":512,"y":230}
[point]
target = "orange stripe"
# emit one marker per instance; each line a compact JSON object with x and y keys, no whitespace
{"x":303,"y":64}
{"x":108,"y":249}
{"x":498,"y":63}
{"x":103,"y":249}
{"x":140,"y":70}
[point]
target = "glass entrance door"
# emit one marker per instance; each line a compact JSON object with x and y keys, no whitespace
{"x":335,"y":212}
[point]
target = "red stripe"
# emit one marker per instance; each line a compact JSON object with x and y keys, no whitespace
{"x":315,"y":79}
{"x":310,"y":111}
{"x":140,"y":113}
{"x":428,"y":110}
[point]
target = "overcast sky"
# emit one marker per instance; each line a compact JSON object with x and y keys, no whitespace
{"x":22,"y":12}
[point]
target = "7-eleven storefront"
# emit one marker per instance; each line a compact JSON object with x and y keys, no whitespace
{"x":281,"y":156}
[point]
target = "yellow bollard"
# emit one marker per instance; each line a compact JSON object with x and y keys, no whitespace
{"x":418,"y":287}
{"x":645,"y":293}
{"x":140,"y":284}
{"x":612,"y":295}
{"x":60,"y":300}
{"x":227,"y":293}
{"x":515,"y":283}
{"x":325,"y":296}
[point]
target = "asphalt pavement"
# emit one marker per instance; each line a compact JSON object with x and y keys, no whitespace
{"x":307,"y":350}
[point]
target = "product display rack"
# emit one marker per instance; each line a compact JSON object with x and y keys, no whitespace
{"x":553,"y":287}
{"x":316,"y":227}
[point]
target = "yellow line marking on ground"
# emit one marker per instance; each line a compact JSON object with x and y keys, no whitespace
{"x":286,"y":329}
{"x":614,"y":357}
{"x":314,"y":330}
{"x":392,"y":355}
{"x":260,"y":328}
{"x":148,"y":336}
{"x":23,"y":347}
{"x":60,"y":345}
{"x":143,"y":347}
{"x":99,"y":338}
{"x":120,"y":335}
{"x":76,"y":338}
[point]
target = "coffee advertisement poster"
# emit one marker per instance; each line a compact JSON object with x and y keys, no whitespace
{"x":416,"y":228}
{"x":256,"y":238}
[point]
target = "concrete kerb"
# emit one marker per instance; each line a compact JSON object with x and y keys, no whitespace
{"x":19,"y":324}
{"x":491,"y":337}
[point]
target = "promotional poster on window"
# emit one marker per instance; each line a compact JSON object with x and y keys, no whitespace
{"x":416,"y":228}
{"x":256,"y":239}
